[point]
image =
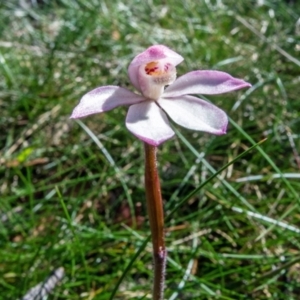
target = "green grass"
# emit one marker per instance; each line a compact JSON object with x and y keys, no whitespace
{"x":68,"y":201}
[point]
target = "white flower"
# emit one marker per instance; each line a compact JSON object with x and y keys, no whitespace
{"x":150,"y":72}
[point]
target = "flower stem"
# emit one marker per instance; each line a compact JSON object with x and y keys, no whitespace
{"x":156,"y":219}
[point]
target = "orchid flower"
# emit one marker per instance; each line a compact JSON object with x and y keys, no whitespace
{"x":150,"y":72}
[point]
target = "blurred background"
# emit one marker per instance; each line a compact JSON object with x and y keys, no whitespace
{"x":71,"y":193}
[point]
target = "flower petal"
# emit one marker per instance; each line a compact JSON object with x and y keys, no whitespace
{"x":153,"y":53}
{"x":205,"y":82}
{"x":103,"y":99}
{"x":149,"y":123}
{"x":194,"y":113}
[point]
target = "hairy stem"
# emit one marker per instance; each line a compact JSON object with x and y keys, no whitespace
{"x":156,"y":219}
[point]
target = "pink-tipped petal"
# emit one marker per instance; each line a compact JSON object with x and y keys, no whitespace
{"x":205,"y":82}
{"x":103,"y":99}
{"x":153,"y":53}
{"x":149,"y":123}
{"x":196,"y":114}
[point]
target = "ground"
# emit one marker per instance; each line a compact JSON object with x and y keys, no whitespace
{"x":72,"y":193}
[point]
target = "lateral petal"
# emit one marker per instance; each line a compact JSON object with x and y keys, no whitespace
{"x":196,"y":114}
{"x":103,"y":99}
{"x":204,"y":82}
{"x":148,"y":123}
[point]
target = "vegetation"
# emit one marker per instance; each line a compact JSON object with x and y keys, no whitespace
{"x":72,"y":193}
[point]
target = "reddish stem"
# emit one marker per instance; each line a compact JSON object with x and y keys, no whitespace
{"x":156,"y":219}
